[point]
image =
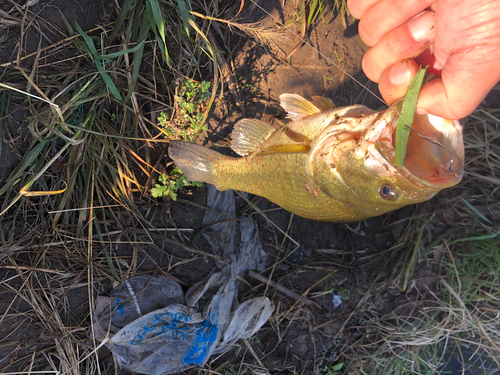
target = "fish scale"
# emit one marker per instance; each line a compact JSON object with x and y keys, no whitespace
{"x":286,"y":185}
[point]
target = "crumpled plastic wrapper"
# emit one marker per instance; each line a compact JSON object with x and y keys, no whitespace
{"x":152,"y":327}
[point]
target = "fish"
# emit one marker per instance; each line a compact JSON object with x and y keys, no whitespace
{"x":332,"y":164}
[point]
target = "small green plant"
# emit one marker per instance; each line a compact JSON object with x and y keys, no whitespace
{"x":187,"y":118}
{"x":246,"y":86}
{"x":171,"y":183}
{"x":185,"y":122}
{"x":332,"y":287}
{"x":254,"y":340}
{"x":339,"y":60}
{"x":334,"y":370}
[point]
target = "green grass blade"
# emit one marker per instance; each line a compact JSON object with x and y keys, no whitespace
{"x":407,"y":115}
{"x":158,"y":18}
{"x":437,"y":241}
{"x":477,"y":238}
{"x":87,"y":39}
{"x":184,"y":14}
{"x":107,"y":135}
{"x":120,"y":53}
{"x":3,"y":110}
{"x":127,"y":5}
{"x":155,"y":17}
{"x":109,"y":82}
{"x":143,"y":33}
{"x":26,"y":163}
{"x":33,"y":179}
{"x":157,"y":24}
{"x":476,"y":211}
{"x":105,"y":76}
{"x":312,"y":11}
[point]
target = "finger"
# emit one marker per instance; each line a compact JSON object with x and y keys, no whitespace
{"x":395,"y":80}
{"x":358,"y":8}
{"x":465,"y":81}
{"x":386,"y":15}
{"x":405,"y":42}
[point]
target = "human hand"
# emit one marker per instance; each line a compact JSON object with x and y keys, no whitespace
{"x":459,"y":39}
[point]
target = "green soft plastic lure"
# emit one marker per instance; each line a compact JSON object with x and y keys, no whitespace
{"x":407,"y":114}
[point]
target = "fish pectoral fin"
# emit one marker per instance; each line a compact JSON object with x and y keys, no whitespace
{"x":297,"y":107}
{"x":324,"y":104}
{"x":248,"y":135}
{"x":285,"y":149}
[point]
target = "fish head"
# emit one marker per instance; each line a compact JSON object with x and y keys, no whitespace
{"x":354,"y":161}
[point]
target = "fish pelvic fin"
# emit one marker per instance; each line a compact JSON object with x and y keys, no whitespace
{"x":298,"y":108}
{"x":248,"y":135}
{"x":197,"y":162}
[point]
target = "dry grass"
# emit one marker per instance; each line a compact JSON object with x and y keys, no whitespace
{"x":80,"y":192}
{"x":456,"y":300}
{"x":77,"y":217}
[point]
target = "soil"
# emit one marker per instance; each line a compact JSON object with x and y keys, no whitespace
{"x":346,"y":260}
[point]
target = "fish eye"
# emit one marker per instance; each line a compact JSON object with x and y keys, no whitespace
{"x":387,"y":193}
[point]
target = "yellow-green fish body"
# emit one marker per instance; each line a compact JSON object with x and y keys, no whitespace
{"x":330,"y":164}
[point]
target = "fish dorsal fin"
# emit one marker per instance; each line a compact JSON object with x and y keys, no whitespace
{"x":248,"y":135}
{"x":297,"y":107}
{"x":324,"y":104}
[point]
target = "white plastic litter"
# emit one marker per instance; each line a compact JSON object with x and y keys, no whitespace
{"x":153,"y":328}
{"x":337,"y":300}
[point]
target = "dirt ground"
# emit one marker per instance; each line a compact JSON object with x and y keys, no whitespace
{"x":353,"y":261}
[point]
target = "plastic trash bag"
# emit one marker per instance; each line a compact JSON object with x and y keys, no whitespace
{"x":153,"y":328}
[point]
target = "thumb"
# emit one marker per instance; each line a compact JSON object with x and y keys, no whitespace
{"x":467,"y":49}
{"x":466,"y":78}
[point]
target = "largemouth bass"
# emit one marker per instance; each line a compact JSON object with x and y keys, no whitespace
{"x":332,"y":164}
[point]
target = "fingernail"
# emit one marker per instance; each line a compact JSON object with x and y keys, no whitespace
{"x":422,"y":26}
{"x":400,"y":73}
{"x":420,"y":111}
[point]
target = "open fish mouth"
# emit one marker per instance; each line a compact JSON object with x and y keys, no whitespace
{"x":434,"y":152}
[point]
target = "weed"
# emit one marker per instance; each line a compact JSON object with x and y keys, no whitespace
{"x":254,"y":340}
{"x":185,"y":123}
{"x":247,"y":87}
{"x":339,"y":60}
{"x":316,"y":7}
{"x":458,"y":320}
{"x":474,"y":273}
{"x":171,"y":183}
{"x":333,"y":370}
{"x":297,"y":15}
{"x":308,"y":11}
{"x":339,"y":291}
{"x":86,"y":128}
{"x":187,"y":118}
{"x":343,"y":12}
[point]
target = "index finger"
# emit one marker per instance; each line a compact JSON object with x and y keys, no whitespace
{"x":386,"y":15}
{"x":359,"y":7}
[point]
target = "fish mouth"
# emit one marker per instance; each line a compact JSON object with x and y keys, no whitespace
{"x":434,"y":152}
